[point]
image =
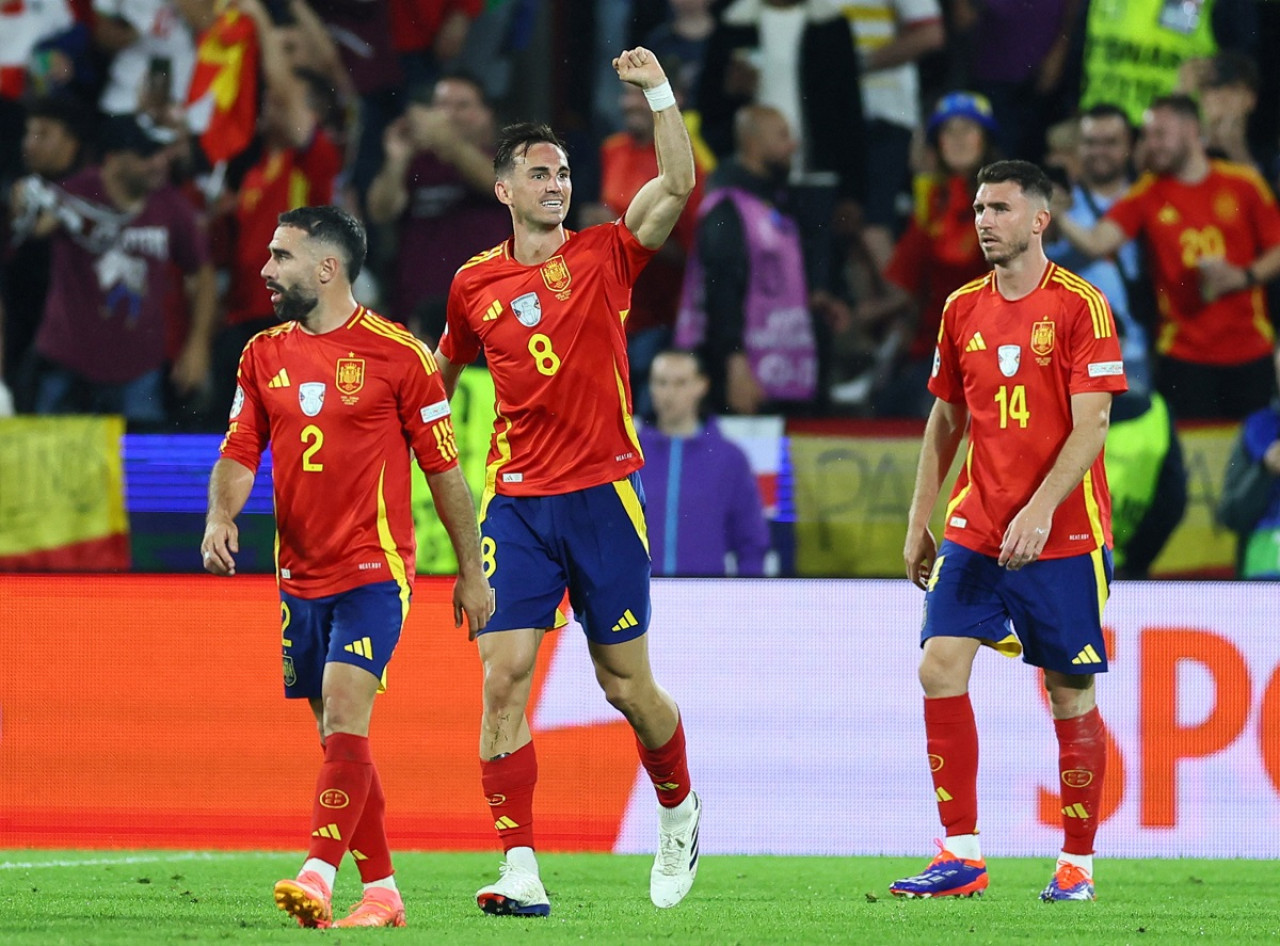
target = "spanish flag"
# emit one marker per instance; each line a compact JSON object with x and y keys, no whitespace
{"x":222,"y":105}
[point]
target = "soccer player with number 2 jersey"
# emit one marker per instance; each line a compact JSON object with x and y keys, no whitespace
{"x":563,"y":507}
{"x":1027,"y":361}
{"x":344,"y":397}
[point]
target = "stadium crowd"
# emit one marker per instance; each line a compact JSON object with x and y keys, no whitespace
{"x":147,"y":149}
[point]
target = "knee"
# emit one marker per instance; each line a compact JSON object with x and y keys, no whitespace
{"x":1070,"y":696}
{"x":504,"y":683}
{"x":625,"y":694}
{"x":940,"y":677}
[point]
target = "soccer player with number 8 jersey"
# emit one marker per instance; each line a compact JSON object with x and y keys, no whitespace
{"x":563,"y":507}
{"x":1027,"y":360}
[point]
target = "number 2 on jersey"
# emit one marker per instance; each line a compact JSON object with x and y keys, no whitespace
{"x":1013,"y":405}
{"x":314,"y":436}
{"x":546,"y":360}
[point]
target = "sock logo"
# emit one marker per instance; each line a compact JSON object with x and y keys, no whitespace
{"x":1076,"y":811}
{"x":1077,"y":778}
{"x":666,"y":786}
{"x":334,"y":798}
{"x":942,"y":794}
{"x":496,"y":799}
{"x":505,"y":824}
{"x":329,"y":831}
{"x":935,"y":762}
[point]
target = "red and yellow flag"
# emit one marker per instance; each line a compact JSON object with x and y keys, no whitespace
{"x":222,"y":105}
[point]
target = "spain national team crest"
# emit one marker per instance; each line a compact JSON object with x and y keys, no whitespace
{"x":311,"y":397}
{"x":1009,"y":358}
{"x":350,"y":377}
{"x":290,"y":674}
{"x":555,"y":273}
{"x":1042,"y":337}
{"x":528,"y":309}
{"x":1225,"y":207}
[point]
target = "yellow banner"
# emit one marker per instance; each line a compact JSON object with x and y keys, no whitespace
{"x":473,"y":414}
{"x":61,"y":482}
{"x":1199,"y":545}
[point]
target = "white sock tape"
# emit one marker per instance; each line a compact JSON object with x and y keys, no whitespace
{"x":660,"y":96}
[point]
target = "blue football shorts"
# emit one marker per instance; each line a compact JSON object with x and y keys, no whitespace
{"x":360,"y":626}
{"x":1049,"y":611}
{"x":593,"y":542}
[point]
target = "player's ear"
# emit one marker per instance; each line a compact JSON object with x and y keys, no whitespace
{"x":502,"y":191}
{"x":330,"y":267}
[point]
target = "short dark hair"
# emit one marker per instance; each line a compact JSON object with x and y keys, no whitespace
{"x":64,"y":109}
{"x":1030,"y":177}
{"x":1108,"y":110}
{"x":334,"y":225}
{"x":1182,"y":105}
{"x":514,"y":141}
{"x":689,"y":353}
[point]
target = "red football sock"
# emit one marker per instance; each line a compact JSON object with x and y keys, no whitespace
{"x":369,"y":844}
{"x":1082,"y":764}
{"x":341,"y":791}
{"x":952,"y":736}
{"x":508,"y":784}
{"x":668,"y":768}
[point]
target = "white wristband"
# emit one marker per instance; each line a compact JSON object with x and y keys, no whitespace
{"x":660,"y":96}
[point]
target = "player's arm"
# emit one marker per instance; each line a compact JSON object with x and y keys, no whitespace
{"x":1027,"y":534}
{"x":471,"y":595}
{"x":1102,"y":239}
{"x":654,"y":210}
{"x":449,"y":373}
{"x":229,"y":487}
{"x":942,"y":435}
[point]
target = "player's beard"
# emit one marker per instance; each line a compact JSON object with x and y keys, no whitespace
{"x":295,"y":304}
{"x":1005,"y":253}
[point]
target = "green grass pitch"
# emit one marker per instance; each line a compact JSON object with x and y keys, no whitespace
{"x":139,"y":898}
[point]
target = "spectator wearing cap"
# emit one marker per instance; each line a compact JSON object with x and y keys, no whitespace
{"x":436,"y":188}
{"x":937,"y":254}
{"x":53,"y":149}
{"x":119,"y":229}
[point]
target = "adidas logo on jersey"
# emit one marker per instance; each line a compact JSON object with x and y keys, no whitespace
{"x":494,"y":310}
{"x":976,"y":343}
{"x":281,"y":380}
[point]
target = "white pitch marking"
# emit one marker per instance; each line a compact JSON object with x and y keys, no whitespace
{"x":135,"y":859}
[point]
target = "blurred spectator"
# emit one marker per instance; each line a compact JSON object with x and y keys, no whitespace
{"x":1212,"y":233}
{"x":1105,"y":148}
{"x":701,"y":499}
{"x":1019,"y":59}
{"x":53,"y":148}
{"x":1250,"y":503}
{"x":296,"y":165}
{"x":680,"y":42}
{"x":429,"y":35}
{"x":1134,"y":48}
{"x":119,"y":227}
{"x":1147,"y":479}
{"x":1227,"y":87}
{"x":436,"y":185}
{"x":797,"y":56}
{"x":936,"y":255}
{"x":891,"y":36}
{"x":627,"y":162}
{"x":745,"y":302}
{"x":152,"y":51}
{"x":24,"y":26}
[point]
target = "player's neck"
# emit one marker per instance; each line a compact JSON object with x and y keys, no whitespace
{"x":681,"y":428}
{"x":329,"y":314}
{"x":1195,"y":169}
{"x":1021,"y":276}
{"x":533,"y":247}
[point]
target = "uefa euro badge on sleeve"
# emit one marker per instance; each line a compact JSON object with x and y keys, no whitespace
{"x":528,"y":309}
{"x":1010,"y":357}
{"x":311,"y":397}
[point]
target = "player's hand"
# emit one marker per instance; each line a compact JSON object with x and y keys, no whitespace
{"x":397,"y":143}
{"x":743,"y":392}
{"x":1025,"y":538}
{"x":919,"y":553}
{"x":217,"y":550}
{"x":190,"y":372}
{"x":1218,"y":277}
{"x":1271,"y":459}
{"x":640,"y":67}
{"x":474,"y":600}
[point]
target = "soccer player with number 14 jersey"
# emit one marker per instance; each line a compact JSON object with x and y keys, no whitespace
{"x":563,"y":506}
{"x":1028,"y":361}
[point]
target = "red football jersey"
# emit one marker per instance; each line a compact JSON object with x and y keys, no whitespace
{"x":1230,"y":215}
{"x":342,"y":412}
{"x":554,"y":342}
{"x":1015,"y":365}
